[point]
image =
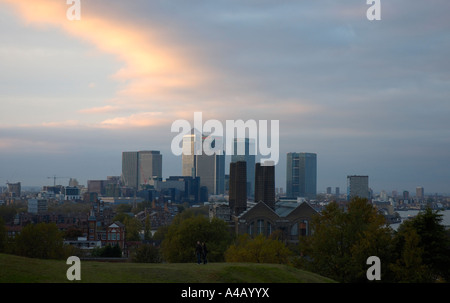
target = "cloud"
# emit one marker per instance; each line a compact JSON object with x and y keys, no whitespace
{"x":360,"y":93}
{"x":137,"y":120}
{"x":101,"y":110}
{"x":150,"y":65}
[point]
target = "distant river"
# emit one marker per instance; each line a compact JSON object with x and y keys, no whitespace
{"x":411,"y":213}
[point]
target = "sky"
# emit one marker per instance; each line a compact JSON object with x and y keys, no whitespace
{"x":369,"y":97}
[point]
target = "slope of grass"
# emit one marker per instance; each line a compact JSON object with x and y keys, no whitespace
{"x":14,"y":269}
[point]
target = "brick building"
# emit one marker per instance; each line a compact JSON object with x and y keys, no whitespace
{"x":291,"y":219}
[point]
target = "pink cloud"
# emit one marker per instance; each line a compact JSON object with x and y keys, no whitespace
{"x":152,"y":68}
{"x":101,"y":110}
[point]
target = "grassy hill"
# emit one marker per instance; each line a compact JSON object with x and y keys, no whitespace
{"x":14,"y":269}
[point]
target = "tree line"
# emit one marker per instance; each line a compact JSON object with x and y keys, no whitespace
{"x":418,"y":252}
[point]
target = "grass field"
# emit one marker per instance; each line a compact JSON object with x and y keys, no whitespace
{"x":14,"y":269}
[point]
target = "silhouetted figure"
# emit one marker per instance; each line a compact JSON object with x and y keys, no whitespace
{"x":204,"y":253}
{"x":199,"y":252}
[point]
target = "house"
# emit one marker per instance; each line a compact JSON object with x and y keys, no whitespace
{"x":115,"y":234}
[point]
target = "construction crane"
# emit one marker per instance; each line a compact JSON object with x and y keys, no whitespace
{"x":56,"y":177}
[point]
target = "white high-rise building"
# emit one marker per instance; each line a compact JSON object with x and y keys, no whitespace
{"x":196,"y":163}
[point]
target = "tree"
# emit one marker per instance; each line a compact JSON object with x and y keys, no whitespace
{"x":108,"y":251}
{"x":184,"y":232}
{"x":3,"y":236}
{"x":432,"y":241}
{"x":42,"y":240}
{"x":146,"y":253}
{"x":409,"y":266}
{"x":72,"y":233}
{"x":133,"y":228}
{"x":7,"y":213}
{"x":258,"y":250}
{"x":147,"y":228}
{"x":344,"y":239}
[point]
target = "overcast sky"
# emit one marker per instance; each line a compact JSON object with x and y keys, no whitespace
{"x":369,"y":97}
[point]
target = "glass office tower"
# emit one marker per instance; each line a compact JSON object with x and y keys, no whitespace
{"x":196,"y":163}
{"x":301,"y":175}
{"x":248,"y":156}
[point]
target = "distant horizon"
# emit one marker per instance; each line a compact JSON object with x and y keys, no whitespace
{"x":411,"y":193}
{"x":343,"y":189}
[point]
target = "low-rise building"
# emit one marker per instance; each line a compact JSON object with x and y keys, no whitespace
{"x":290,"y":219}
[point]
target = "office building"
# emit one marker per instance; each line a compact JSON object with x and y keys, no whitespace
{"x":72,"y":193}
{"x":211,"y":170}
{"x":420,"y":194}
{"x":265,"y":184}
{"x":150,"y":166}
{"x":191,"y":144}
{"x":14,"y":189}
{"x":357,"y":186}
{"x":405,"y":195}
{"x":130,"y":169}
{"x":244,"y":150}
{"x":140,"y":167}
{"x":301,"y":175}
{"x":97,"y":186}
{"x":37,"y":206}
{"x":238,"y":187}
{"x":196,"y":163}
{"x":191,"y":188}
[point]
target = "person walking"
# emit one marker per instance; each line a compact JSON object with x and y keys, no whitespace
{"x":204,"y":253}
{"x":199,"y":252}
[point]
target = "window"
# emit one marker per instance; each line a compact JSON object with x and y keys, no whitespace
{"x":269,"y":228}
{"x":294,"y":230}
{"x":250,"y":229}
{"x":260,"y":227}
{"x":304,"y":228}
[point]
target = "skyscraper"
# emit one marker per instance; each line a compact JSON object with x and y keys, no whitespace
{"x":150,"y":166}
{"x":139,"y":167}
{"x":14,"y":189}
{"x":420,"y":194}
{"x":301,"y":175}
{"x":246,"y":154}
{"x":265,"y":184}
{"x":130,"y":169}
{"x":357,"y":186}
{"x":196,"y":163}
{"x":238,"y":187}
{"x":188,"y":159}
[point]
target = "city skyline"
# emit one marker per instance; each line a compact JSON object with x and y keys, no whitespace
{"x":46,"y":181}
{"x":368,"y":97}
